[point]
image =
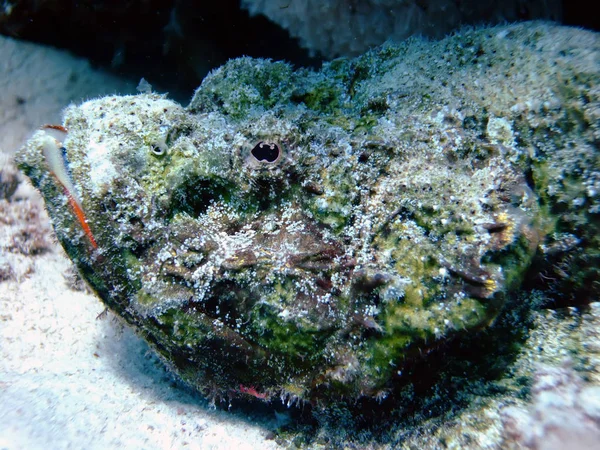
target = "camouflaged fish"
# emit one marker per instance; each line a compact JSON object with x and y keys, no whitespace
{"x":305,"y":234}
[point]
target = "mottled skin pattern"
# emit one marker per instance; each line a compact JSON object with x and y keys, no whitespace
{"x":394,"y":206}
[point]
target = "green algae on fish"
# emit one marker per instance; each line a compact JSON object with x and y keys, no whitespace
{"x":305,"y":234}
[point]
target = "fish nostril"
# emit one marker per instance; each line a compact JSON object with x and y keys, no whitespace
{"x":266,"y":152}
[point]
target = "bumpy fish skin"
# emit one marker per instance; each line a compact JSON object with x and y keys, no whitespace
{"x":304,"y":233}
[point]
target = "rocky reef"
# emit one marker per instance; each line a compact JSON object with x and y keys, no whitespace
{"x":305,"y":235}
{"x":338,"y":28}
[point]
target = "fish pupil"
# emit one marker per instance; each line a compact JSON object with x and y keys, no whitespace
{"x":267,"y":152}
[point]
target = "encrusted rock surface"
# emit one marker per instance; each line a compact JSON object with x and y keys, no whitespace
{"x":304,"y":234}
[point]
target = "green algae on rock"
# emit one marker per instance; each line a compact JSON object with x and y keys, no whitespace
{"x":304,"y":234}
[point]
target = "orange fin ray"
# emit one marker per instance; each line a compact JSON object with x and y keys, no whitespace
{"x":81,"y":218}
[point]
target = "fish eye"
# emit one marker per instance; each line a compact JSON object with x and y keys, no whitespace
{"x":158,"y":150}
{"x":268,"y":152}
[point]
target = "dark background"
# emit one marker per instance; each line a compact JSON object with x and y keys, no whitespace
{"x":174,"y":43}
